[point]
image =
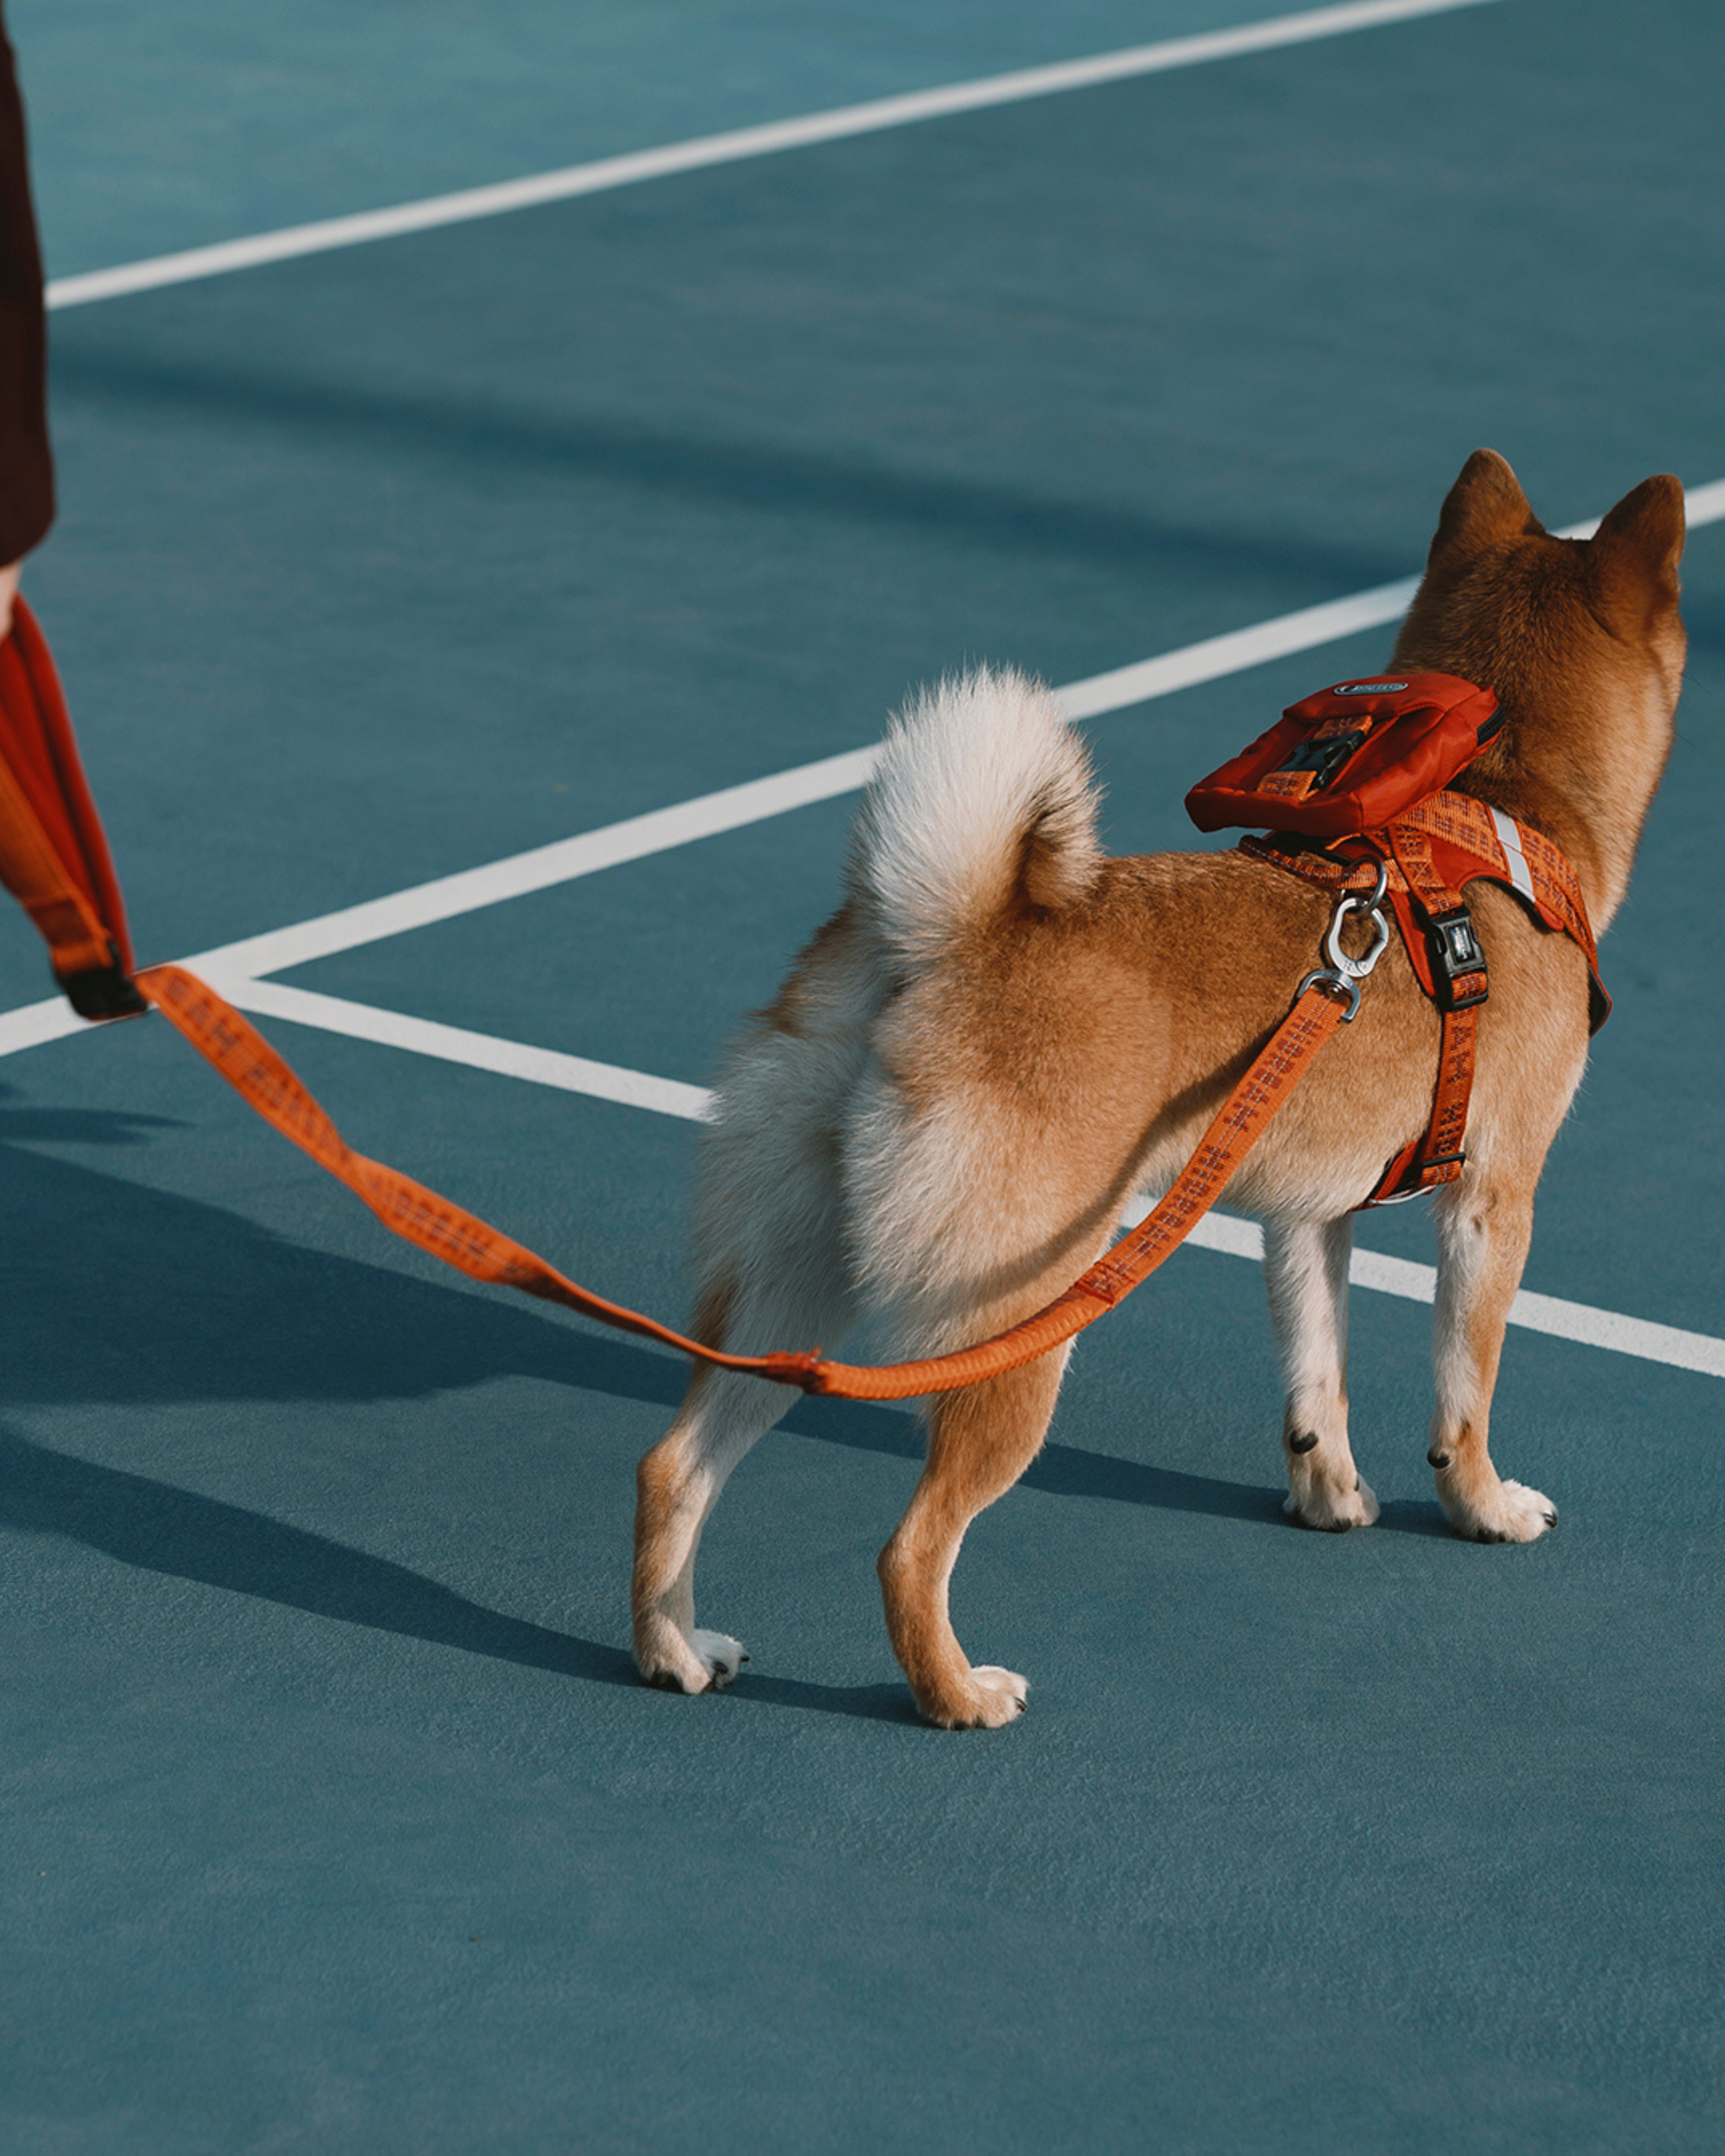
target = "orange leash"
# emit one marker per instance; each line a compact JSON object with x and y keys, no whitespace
{"x":54,"y":856}
{"x":461,"y":1238}
{"x":265,"y":1083}
{"x":55,"y":859}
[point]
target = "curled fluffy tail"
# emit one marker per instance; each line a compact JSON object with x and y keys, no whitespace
{"x":983,"y":801}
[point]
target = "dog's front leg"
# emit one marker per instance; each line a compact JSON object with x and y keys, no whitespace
{"x":1306,"y":1265}
{"x":1483,"y":1234}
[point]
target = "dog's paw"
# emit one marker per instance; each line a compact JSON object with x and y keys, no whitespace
{"x":703,"y":1661}
{"x":722,"y":1656}
{"x":1511,"y":1513}
{"x":987,"y":1698}
{"x":1331,"y":1512}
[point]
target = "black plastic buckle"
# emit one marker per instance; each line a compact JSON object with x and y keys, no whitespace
{"x":1322,"y":758}
{"x":101,"y":992}
{"x":1455,"y":955}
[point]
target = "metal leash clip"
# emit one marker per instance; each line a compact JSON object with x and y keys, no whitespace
{"x":1343,"y":974}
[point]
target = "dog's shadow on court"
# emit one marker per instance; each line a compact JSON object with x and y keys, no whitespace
{"x":114,"y":1293}
{"x":156,"y":1527}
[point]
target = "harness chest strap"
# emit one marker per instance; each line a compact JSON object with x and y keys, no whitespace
{"x":1431,"y":853}
{"x":1455,"y":977}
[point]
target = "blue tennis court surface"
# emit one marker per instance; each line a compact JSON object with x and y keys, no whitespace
{"x":336,"y":1817}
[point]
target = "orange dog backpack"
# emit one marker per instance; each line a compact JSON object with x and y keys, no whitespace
{"x":1351,"y":758}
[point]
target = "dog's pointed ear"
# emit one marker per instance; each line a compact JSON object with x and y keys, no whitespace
{"x":1485,"y":507}
{"x":1633,"y":556}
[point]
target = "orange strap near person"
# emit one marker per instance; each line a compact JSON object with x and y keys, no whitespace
{"x":54,"y":857}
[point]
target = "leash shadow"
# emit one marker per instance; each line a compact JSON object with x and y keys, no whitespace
{"x":118,"y":1294}
{"x":156,"y":1527}
{"x":1060,"y":1471}
{"x":109,"y":1127}
{"x":191,"y":1278}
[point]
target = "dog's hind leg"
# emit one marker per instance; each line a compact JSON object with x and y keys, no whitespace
{"x":775,"y":1274}
{"x":980,"y":1441}
{"x":680,"y":1480}
{"x":1306,"y":1267}
{"x":1483,"y":1234}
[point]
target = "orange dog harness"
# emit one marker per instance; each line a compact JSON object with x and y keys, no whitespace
{"x":1354,"y":781}
{"x":1422,"y":865}
{"x":55,"y":859}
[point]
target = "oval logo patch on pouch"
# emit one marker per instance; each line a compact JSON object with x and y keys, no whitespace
{"x":1370,"y":689}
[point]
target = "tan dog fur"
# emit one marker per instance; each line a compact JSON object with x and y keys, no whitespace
{"x":1002,"y":1036}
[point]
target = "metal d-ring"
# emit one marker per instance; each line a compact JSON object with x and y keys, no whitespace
{"x":1337,"y":984}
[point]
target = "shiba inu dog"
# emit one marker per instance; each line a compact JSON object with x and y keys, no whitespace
{"x":1002,"y":1035}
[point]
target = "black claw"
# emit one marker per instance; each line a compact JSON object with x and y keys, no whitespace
{"x":1305,"y":1441}
{"x":1436,"y":1459}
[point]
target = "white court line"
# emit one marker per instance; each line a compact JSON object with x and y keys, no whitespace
{"x":668,"y":1096}
{"x":636,"y":837}
{"x":732,"y":807}
{"x":454,"y":1044}
{"x":540,"y":867}
{"x":703,"y":151}
{"x":1535,"y":1313}
{"x":31,"y":1025}
{"x":1218,"y":656}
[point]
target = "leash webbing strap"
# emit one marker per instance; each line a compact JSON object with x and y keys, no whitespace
{"x":1275,"y":1071}
{"x":264,"y":1080}
{"x":30,"y":870}
{"x":54,"y":857}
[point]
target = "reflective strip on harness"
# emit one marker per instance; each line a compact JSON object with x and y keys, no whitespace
{"x":1509,"y":837}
